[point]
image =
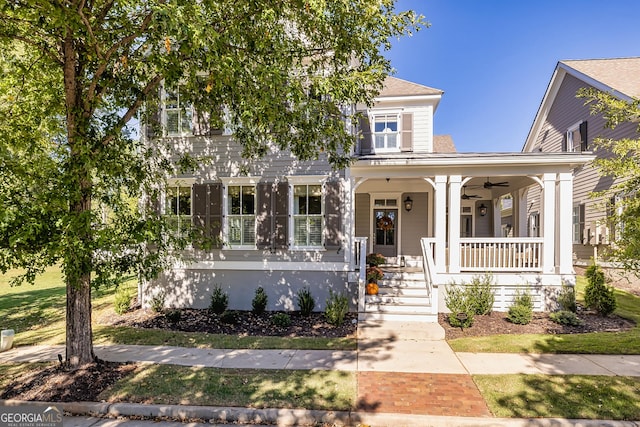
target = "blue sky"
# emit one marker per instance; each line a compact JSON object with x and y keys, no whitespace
{"x":494,"y":59}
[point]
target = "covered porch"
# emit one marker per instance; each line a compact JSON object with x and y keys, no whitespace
{"x":456,"y":216}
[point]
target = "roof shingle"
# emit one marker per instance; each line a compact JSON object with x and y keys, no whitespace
{"x":394,"y":86}
{"x":620,"y":74}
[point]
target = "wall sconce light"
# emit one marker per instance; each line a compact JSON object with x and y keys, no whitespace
{"x":482,"y":209}
{"x":408,"y":204}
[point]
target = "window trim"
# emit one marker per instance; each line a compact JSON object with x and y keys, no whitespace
{"x":177,"y":184}
{"x":243,"y":182}
{"x":580,"y":224}
{"x":181,"y":110}
{"x":372,"y":120}
{"x":571,"y":146}
{"x":306,"y":180}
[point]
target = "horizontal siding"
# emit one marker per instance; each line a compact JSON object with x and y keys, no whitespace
{"x":226,"y":160}
{"x":414,"y":224}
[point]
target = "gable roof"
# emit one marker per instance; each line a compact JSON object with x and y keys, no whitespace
{"x":394,"y":86}
{"x":618,"y":76}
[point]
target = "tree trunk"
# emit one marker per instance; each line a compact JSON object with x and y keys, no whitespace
{"x":79,"y":335}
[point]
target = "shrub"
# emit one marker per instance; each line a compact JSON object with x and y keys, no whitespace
{"x":122,"y":300}
{"x":521,"y":311}
{"x":259,"y":302}
{"x":457,"y":302}
{"x":567,"y":298}
{"x":565,"y":317}
{"x":480,"y":294}
{"x":336,"y":309}
{"x":157,"y":302}
{"x":597,"y":295}
{"x":173,"y":316}
{"x":305,"y":300}
{"x":230,"y":317}
{"x":375,"y":259}
{"x":281,"y":320}
{"x":219,"y":300}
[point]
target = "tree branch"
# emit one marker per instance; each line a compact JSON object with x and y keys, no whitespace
{"x":133,"y":109}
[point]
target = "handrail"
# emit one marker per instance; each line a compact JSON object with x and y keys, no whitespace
{"x":360,"y":258}
{"x":428,"y":245}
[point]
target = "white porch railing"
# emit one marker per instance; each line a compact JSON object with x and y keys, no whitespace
{"x":501,"y":254}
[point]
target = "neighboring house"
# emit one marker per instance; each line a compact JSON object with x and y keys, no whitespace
{"x":437,"y":215}
{"x":564,"y":123}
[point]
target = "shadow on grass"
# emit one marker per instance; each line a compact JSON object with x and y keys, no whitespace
{"x":255,"y":388}
{"x":563,"y":396}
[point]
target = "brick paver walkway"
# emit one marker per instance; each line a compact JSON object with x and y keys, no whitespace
{"x":420,"y":393}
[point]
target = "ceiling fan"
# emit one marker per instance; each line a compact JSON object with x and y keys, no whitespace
{"x":466,"y":196}
{"x":489,"y":184}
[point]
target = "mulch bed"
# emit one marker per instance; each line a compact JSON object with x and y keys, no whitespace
{"x":58,"y":383}
{"x":240,"y":323}
{"x":497,"y":323}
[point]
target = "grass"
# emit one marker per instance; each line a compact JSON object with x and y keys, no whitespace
{"x":36,"y":313}
{"x":592,"y":343}
{"x":561,"y":396}
{"x":169,"y":384}
{"x":130,"y":335}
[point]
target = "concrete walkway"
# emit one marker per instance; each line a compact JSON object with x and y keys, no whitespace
{"x":407,"y":375}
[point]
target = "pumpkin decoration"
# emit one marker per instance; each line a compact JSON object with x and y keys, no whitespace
{"x":372,"y":288}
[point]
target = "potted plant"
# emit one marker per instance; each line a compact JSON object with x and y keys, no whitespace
{"x":374,"y":260}
{"x":373,"y":275}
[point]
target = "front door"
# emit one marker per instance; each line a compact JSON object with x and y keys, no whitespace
{"x":385,"y":225}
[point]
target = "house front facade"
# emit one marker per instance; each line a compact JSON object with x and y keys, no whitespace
{"x":437,"y":216}
{"x":563,"y":123}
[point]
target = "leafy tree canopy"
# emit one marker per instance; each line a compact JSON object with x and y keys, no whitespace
{"x":76,"y":73}
{"x":620,"y":159}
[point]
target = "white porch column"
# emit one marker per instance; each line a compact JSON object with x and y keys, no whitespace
{"x":454,"y":223}
{"x":440,"y":227}
{"x":520,"y":213}
{"x":549,"y":222}
{"x":565,"y":232}
{"x":496,"y":216}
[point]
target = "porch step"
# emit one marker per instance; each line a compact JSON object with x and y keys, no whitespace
{"x":402,"y":296}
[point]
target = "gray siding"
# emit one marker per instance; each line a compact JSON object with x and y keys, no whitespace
{"x":193,"y":288}
{"x":363,"y":216}
{"x":414,"y":224}
{"x":484,"y":224}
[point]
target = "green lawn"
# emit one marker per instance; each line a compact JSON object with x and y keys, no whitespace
{"x":168,"y":384}
{"x":627,"y":342}
{"x":561,"y":396}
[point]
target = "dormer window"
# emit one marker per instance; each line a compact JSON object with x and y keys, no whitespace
{"x":385,"y":132}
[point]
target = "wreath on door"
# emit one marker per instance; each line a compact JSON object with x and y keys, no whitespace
{"x":385,"y":223}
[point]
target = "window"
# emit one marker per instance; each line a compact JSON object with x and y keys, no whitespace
{"x":241,"y":215}
{"x":385,"y":132}
{"x":178,"y":209}
{"x":178,"y":115}
{"x":307,"y":215}
{"x":576,"y":138}
{"x":578,"y":224}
